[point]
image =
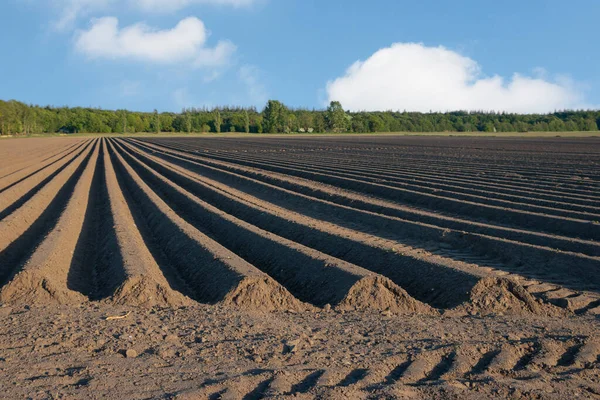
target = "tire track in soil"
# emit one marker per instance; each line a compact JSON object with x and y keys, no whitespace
{"x":466,"y":363}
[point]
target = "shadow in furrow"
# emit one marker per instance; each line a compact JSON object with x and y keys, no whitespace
{"x":268,"y":254}
{"x":424,"y":281}
{"x":179,"y":268}
{"x":569,"y":356}
{"x":97,"y":267}
{"x":443,"y":367}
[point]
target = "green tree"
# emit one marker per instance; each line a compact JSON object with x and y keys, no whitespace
{"x":591,"y":125}
{"x":336,"y":117}
{"x":122,"y":115}
{"x":319,"y":122}
{"x":376,"y":123}
{"x":156,"y":122}
{"x":188,"y":122}
{"x":246,"y":121}
{"x":571,"y":126}
{"x":218,"y":121}
{"x":556,"y":125}
{"x":275,"y":117}
{"x":166,"y":123}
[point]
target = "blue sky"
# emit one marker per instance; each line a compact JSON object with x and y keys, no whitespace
{"x":416,"y":55}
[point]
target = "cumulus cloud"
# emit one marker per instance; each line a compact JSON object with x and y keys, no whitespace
{"x":174,"y":5}
{"x":71,"y":10}
{"x":414,"y":77}
{"x":185,"y":43}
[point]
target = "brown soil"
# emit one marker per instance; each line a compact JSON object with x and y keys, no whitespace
{"x":500,"y":295}
{"x":334,"y":267}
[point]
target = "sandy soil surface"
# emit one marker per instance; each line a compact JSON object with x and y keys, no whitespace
{"x":202,"y":352}
{"x":329,"y":267}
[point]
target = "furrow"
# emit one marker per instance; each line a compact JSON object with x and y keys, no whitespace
{"x":431,"y":282}
{"x":30,"y":159}
{"x":524,"y":203}
{"x":23,"y":175}
{"x":529,"y":260}
{"x":44,"y":276}
{"x":310,"y":275}
{"x":414,"y":163}
{"x":425,"y":172}
{"x":17,"y":195}
{"x":96,"y":269}
{"x":139,"y":280}
{"x":25,"y":228}
{"x":212,"y":273}
{"x":270,"y":180}
{"x":571,"y":224}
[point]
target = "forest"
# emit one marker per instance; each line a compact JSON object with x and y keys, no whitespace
{"x":17,"y":118}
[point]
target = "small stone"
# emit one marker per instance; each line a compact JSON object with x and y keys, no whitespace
{"x":131,"y":353}
{"x":291,"y":346}
{"x":327,"y":307}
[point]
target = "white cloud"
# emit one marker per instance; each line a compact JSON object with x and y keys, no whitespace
{"x":185,"y":43}
{"x":414,"y":77}
{"x":73,"y":9}
{"x":174,"y":5}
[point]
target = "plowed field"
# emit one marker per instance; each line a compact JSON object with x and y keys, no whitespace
{"x":329,"y":267}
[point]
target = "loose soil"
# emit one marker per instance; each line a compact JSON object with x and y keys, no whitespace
{"x":325,"y":267}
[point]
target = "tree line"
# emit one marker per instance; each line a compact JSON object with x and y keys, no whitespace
{"x":22,"y":119}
